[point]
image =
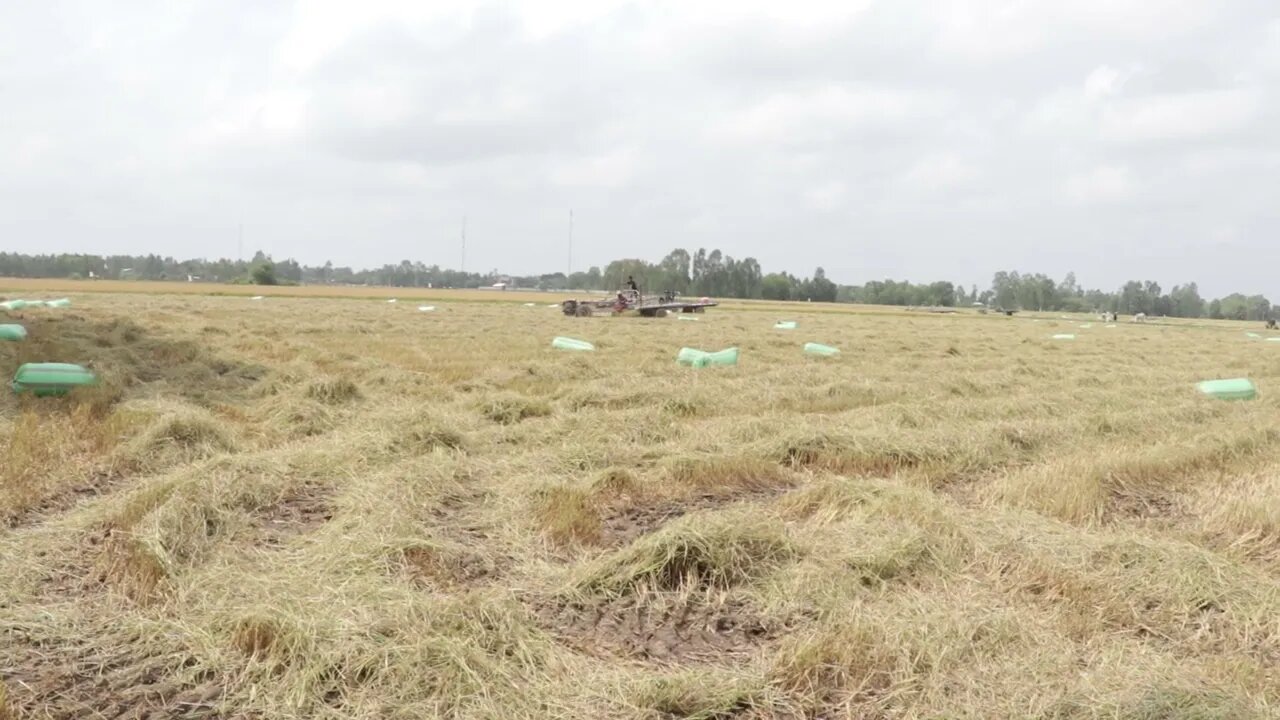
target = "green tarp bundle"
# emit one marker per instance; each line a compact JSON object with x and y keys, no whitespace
{"x":822,"y":350}
{"x":13,"y":332}
{"x":785,"y":325}
{"x":48,"y":379}
{"x":701,"y":358}
{"x":564,"y":343}
{"x":1234,"y":389}
{"x":12,"y":305}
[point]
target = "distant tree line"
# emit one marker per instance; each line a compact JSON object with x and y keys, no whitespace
{"x":692,"y":274}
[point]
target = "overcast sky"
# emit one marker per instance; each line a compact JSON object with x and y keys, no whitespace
{"x":919,"y":139}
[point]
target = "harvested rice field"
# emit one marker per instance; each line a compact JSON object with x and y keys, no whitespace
{"x":348,"y":508}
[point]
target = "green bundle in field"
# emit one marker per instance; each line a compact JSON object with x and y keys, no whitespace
{"x":12,"y":305}
{"x":702,"y":358}
{"x":785,"y":325}
{"x":820,"y":350}
{"x":1234,"y":389}
{"x":51,"y":379}
{"x":1064,"y":336}
{"x":59,"y":303}
{"x":13,"y":332}
{"x":564,"y":343}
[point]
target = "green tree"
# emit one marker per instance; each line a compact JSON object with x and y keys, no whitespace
{"x":776,"y":286}
{"x":264,"y":273}
{"x":1186,"y":301}
{"x":820,"y":288}
{"x":1004,"y":289}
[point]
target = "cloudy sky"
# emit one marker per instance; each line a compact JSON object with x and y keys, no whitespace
{"x":920,"y":139}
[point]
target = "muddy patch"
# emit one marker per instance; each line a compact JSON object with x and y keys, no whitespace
{"x":446,"y":568}
{"x":624,"y":524}
{"x":295,"y":515}
{"x":661,"y":628}
{"x":71,"y":680}
{"x":96,"y":483}
{"x":1141,"y":506}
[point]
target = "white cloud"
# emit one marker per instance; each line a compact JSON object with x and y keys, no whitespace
{"x":820,"y":114}
{"x":826,"y":196}
{"x":1106,"y":183}
{"x":1105,"y":81}
{"x":938,"y":173}
{"x":1185,"y":116}
{"x":610,"y":170}
{"x":361,"y":132}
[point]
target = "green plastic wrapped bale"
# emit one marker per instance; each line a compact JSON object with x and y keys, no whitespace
{"x":691,"y":357}
{"x":1253,"y":335}
{"x":13,"y":332}
{"x":564,"y":343}
{"x":701,"y":358}
{"x":785,"y":325}
{"x":33,"y":303}
{"x":59,"y":303}
{"x":686,"y":317}
{"x":49,"y":379}
{"x":821,"y":350}
{"x":1234,"y":389}
{"x":12,"y":305}
{"x":1064,"y":336}
{"x":728,"y":356}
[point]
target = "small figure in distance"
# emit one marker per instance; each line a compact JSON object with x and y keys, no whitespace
{"x":1271,"y":323}
{"x":631,"y":283}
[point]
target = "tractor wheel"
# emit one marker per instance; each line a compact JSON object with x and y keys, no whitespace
{"x":660,"y":313}
{"x":584,"y":310}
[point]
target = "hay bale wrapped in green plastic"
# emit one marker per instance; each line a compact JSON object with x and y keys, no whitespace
{"x":59,"y":303}
{"x":1233,"y":389}
{"x":51,"y":379}
{"x":12,"y":305}
{"x":785,"y":325}
{"x":13,"y":332}
{"x":564,"y":343}
{"x":700,"y":358}
{"x":820,"y":350}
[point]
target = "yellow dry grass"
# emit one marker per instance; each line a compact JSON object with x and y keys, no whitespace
{"x":345,"y":508}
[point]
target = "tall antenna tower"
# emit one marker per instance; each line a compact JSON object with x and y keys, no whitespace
{"x":464,"y":243}
{"x":569,"y":270}
{"x":240,"y":243}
